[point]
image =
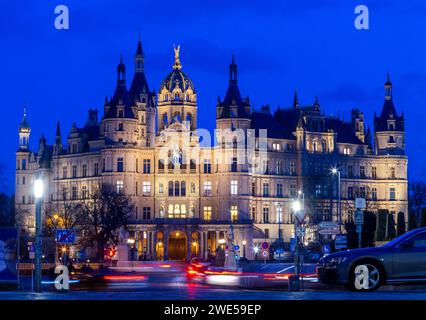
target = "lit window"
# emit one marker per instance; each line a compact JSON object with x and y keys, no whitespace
{"x":207,"y":188}
{"x":234,"y":187}
{"x":146,"y":188}
{"x":279,"y":214}
{"x":276,"y":146}
{"x":120,"y":186}
{"x":234,"y":213}
{"x":207,"y":212}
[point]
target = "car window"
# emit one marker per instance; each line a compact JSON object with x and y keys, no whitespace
{"x":419,"y":240}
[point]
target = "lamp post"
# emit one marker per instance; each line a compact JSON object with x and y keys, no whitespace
{"x":334,"y":171}
{"x":38,"y":194}
{"x":298,"y":209}
{"x":131,"y":243}
{"x":244,"y":248}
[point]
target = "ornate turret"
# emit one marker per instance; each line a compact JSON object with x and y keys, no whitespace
{"x":389,"y":128}
{"x":57,"y":148}
{"x":24,"y":133}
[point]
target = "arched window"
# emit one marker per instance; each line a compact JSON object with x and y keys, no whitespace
{"x":161,"y":212}
{"x":176,"y":117}
{"x":170,"y":211}
{"x":24,"y":164}
{"x":183,"y":189}
{"x":192,"y":187}
{"x":176,"y":212}
{"x":165,"y":119}
{"x":170,"y":188}
{"x":177,"y":185}
{"x":189,"y":118}
{"x":183,"y":211}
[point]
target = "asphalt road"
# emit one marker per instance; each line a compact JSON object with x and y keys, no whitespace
{"x":174,"y":286}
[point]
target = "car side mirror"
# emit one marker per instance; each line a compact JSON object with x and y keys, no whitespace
{"x":407,"y":245}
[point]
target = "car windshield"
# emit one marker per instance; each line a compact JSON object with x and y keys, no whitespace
{"x":399,"y":239}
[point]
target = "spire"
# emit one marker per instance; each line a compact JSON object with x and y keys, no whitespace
{"x":177,"y":65}
{"x":295,"y":100}
{"x":139,"y":58}
{"x":233,"y":71}
{"x":388,"y":88}
{"x":24,"y":123}
{"x":121,"y":72}
{"x":58,"y":130}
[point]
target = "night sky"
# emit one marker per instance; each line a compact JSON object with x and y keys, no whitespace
{"x":279,"y":46}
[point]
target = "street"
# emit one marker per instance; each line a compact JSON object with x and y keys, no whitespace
{"x":173,"y":284}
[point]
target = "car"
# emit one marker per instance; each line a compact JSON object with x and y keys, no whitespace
{"x":400,"y":261}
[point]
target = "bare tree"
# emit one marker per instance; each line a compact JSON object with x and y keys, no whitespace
{"x":417,"y":197}
{"x":105,"y":212}
{"x":64,"y":214}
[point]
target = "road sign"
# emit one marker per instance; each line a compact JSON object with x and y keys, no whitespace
{"x":292,"y":244}
{"x":359,"y":217}
{"x":328,"y":228}
{"x":65,"y":236}
{"x":326,"y":249}
{"x":265,"y":254}
{"x":360,"y":203}
{"x":237,"y":247}
{"x":265,"y":245}
{"x":340,"y":242}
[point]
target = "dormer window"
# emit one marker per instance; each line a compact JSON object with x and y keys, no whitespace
{"x":121,"y":113}
{"x":391,"y":139}
{"x":391,"y":126}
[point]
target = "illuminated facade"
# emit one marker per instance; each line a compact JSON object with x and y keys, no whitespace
{"x":187,"y":194}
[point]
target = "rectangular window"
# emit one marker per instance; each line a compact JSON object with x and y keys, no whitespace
{"x":234,"y":213}
{"x":374,"y":193}
{"x":207,"y":188}
{"x":207,"y":212}
{"x":74,"y":192}
{"x":392,"y":194}
{"x":350,"y":192}
{"x":292,"y":168}
{"x":74,"y":171}
{"x":120,"y":186}
{"x":279,"y":168}
{"x":362,"y":192}
{"x":183,"y":189}
{"x":253,"y":188}
{"x":146,"y":166}
{"x":266,"y":215}
{"x":120,"y":127}
{"x":234,"y":187}
{"x":64,"y":172}
{"x":276,"y":146}
{"x":170,"y":188}
{"x":120,"y":164}
{"x":374,"y":172}
{"x":279,"y":214}
{"x":279,"y":190}
{"x":234,"y":165}
{"x":318,"y":190}
{"x":146,"y":188}
{"x":146,"y":213}
{"x":84,"y":170}
{"x":350,"y":171}
{"x":293,"y":190}
{"x":392,"y":173}
{"x":24,"y":164}
{"x":266,"y":189}
{"x":84,"y":192}
{"x":207,"y":166}
{"x":362,"y":171}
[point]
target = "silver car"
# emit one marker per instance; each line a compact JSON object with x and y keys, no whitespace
{"x":400,"y":261}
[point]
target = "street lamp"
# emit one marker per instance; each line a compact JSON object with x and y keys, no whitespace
{"x":38,"y":194}
{"x":298,"y":210}
{"x":335,"y":171}
{"x":244,"y":248}
{"x":131,"y":243}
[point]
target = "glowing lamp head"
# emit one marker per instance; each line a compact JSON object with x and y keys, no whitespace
{"x":131,"y":241}
{"x":256,"y":249}
{"x":244,"y":242}
{"x":296,"y":206}
{"x":334,"y":171}
{"x":38,"y":188}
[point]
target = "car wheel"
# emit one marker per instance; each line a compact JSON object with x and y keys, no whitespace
{"x":366,"y":277}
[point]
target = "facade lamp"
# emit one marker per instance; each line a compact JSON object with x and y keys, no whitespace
{"x":38,"y":188}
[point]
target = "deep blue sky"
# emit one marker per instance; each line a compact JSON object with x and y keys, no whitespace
{"x":310,"y":45}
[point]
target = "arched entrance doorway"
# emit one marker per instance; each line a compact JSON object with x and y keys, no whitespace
{"x":177,"y":246}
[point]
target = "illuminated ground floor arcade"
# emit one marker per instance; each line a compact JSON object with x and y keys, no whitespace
{"x":182,"y":239}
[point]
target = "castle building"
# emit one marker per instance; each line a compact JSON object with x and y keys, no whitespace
{"x":187,"y":194}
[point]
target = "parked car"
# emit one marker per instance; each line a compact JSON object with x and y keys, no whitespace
{"x":400,"y":261}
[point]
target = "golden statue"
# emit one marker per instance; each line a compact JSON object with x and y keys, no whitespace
{"x":177,"y":61}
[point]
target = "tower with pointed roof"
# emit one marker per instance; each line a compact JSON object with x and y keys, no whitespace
{"x":389,"y":131}
{"x":234,"y":111}
{"x":24,"y":133}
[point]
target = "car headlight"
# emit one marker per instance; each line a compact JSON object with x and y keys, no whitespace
{"x":337,"y":260}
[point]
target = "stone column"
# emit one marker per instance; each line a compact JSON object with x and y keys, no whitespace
{"x":166,"y":245}
{"x":206,"y":245}
{"x":188,"y":245}
{"x":201,"y":244}
{"x":153,"y":245}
